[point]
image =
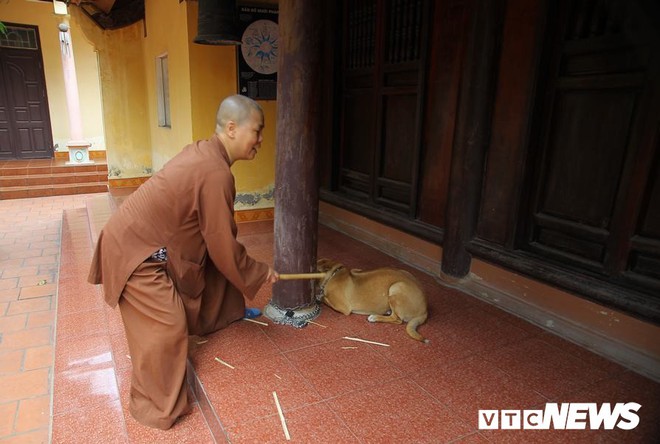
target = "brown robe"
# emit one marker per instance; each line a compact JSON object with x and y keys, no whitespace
{"x":186,"y":207}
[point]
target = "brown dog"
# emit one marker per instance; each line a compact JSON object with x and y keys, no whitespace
{"x":385,"y":294}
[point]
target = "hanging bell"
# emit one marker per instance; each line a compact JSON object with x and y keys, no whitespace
{"x":217,"y":23}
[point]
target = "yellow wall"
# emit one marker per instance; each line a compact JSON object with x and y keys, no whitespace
{"x":213,"y":77}
{"x":41,"y":14}
{"x":166,"y":24}
{"x":124,"y":98}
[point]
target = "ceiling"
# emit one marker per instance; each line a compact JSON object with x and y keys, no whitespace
{"x":110,"y":14}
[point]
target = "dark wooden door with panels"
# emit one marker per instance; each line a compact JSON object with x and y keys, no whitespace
{"x":25,"y":131}
{"x":594,"y":205}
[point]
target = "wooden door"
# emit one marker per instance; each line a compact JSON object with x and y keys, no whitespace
{"x":595,"y":205}
{"x":25,"y":131}
{"x":382,"y":84}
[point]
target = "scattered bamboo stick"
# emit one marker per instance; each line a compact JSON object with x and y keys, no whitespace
{"x":277,"y":376}
{"x":224,"y":363}
{"x":368,"y":342}
{"x":256,"y":322}
{"x":316,"y":323}
{"x":279,"y":411}
{"x":349,"y":348}
{"x":286,"y":277}
{"x":202,"y":341}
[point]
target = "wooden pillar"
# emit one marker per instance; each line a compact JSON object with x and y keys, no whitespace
{"x":296,"y":170}
{"x":472,"y":134}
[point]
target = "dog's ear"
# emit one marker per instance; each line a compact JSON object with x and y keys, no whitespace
{"x":324,"y":264}
{"x":321,"y":265}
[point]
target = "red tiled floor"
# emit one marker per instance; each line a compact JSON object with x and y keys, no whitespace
{"x":29,"y":256}
{"x":313,"y":423}
{"x":398,"y":411}
{"x":330,"y":389}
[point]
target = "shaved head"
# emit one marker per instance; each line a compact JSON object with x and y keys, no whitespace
{"x":235,"y":108}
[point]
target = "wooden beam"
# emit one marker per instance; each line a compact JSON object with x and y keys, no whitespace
{"x":472,"y":133}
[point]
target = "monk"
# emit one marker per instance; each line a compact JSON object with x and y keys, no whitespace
{"x":170,"y":259}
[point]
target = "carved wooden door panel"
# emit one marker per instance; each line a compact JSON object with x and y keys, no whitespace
{"x":25,"y":131}
{"x":595,"y":201}
{"x":383,"y":61}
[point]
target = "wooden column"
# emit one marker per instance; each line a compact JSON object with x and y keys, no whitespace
{"x":472,"y":134}
{"x":296,"y":171}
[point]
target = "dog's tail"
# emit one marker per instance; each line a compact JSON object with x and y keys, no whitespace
{"x":411,"y":328}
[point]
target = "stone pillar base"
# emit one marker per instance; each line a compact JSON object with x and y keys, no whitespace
{"x":79,"y":153}
{"x":297,"y":317}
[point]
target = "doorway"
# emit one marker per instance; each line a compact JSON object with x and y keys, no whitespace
{"x":25,"y":131}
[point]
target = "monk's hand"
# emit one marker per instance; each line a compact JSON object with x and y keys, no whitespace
{"x":273,"y":276}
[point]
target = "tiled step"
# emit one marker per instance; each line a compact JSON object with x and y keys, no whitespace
{"x":48,"y":166}
{"x":51,"y":177}
{"x":92,"y":372}
{"x":52,"y":190}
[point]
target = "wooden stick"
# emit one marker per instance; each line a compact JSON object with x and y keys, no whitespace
{"x":316,"y":323}
{"x":364,"y":340}
{"x":255,"y":322}
{"x":287,"y":277}
{"x":224,"y":363}
{"x":279,"y":411}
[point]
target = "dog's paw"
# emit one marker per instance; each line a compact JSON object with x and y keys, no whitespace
{"x":371,"y":318}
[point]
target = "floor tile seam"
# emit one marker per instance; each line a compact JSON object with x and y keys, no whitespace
{"x":362,"y":389}
{"x":226,"y":425}
{"x":504,"y":372}
{"x":469,"y":310}
{"x":26,"y":330}
{"x":241,"y":360}
{"x":295,"y":409}
{"x":449,"y":408}
{"x":382,"y":350}
{"x":17,"y":416}
{"x":204,"y":402}
{"x":621,"y":369}
{"x":87,"y":406}
{"x":341,"y":420}
{"x":13,"y":421}
{"x":115,"y":373}
{"x":574,"y":358}
{"x":445,"y":365}
{"x":462,"y":438}
{"x":65,"y":371}
{"x":592,"y":384}
{"x":628,"y":383}
{"x":55,"y":307}
{"x":16,"y":437}
{"x":304,"y":347}
{"x":524,"y":381}
{"x":25,"y":349}
{"x":366,"y":387}
{"x":307,"y":382}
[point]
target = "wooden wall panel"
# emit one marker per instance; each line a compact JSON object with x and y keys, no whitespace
{"x":507,"y":154}
{"x":450,"y":24}
{"x":570,"y":194}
